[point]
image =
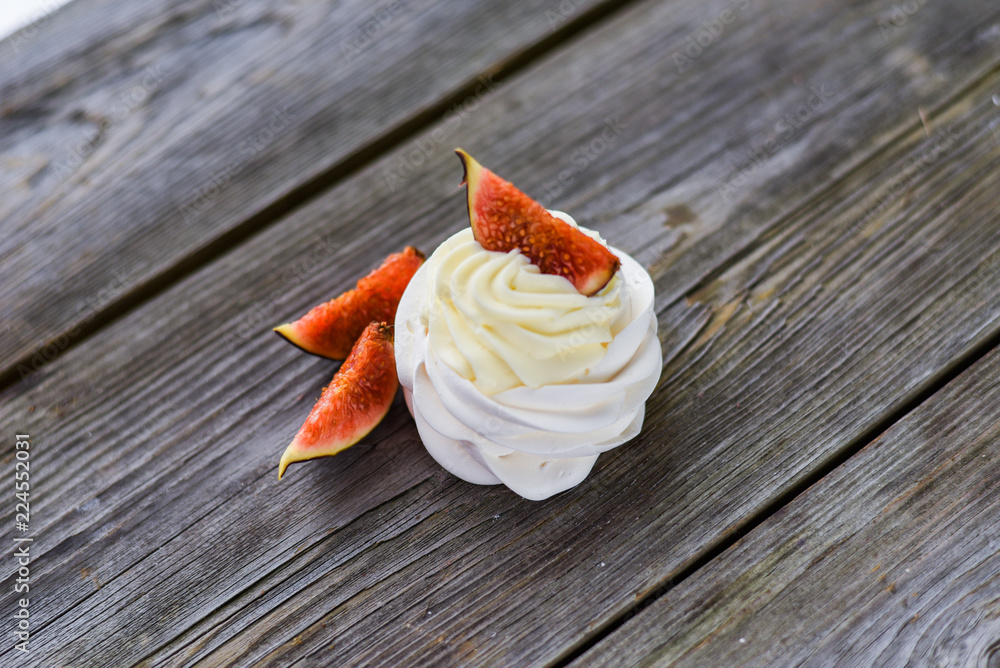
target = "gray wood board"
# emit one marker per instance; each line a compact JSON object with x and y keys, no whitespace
{"x":814,"y":338}
{"x":891,"y":560}
{"x":157,"y":441}
{"x":133,"y":139}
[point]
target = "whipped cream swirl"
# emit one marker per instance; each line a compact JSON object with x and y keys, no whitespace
{"x":513,"y":376}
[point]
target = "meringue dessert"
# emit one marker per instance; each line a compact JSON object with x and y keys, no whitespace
{"x":512,"y":375}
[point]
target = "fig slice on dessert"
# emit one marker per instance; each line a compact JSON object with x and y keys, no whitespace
{"x":504,"y":218}
{"x":330,"y":329}
{"x":354,"y":402}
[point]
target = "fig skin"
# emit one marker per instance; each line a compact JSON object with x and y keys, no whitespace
{"x":504,"y":218}
{"x":355,"y":401}
{"x":330,"y":329}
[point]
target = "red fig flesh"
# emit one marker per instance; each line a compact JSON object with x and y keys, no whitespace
{"x":504,"y":218}
{"x":330,"y":329}
{"x":354,"y":402}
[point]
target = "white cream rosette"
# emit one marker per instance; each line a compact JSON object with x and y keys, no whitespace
{"x":513,"y":376}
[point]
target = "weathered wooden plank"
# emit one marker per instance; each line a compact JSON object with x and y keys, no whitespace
{"x":187,"y":521}
{"x":891,"y":560}
{"x":150,"y":134}
{"x":823,"y":338}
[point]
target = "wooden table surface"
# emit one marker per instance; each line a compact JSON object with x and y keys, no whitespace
{"x":813,"y":187}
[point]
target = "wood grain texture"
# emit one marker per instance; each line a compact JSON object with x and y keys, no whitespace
{"x":892,"y":560}
{"x":814,"y":338}
{"x":157,"y":442}
{"x":133,"y":139}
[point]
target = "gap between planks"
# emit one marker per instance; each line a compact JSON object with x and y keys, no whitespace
{"x":929,"y":388}
{"x":764,"y":235}
{"x":807,"y":203}
{"x":313,"y":188}
{"x":936,"y":384}
{"x":932,"y":386}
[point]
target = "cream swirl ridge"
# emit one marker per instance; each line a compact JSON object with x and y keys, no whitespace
{"x":499,"y":322}
{"x":513,"y":376}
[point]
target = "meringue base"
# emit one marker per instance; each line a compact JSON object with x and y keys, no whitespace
{"x":537,"y":441}
{"x":533,"y":477}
